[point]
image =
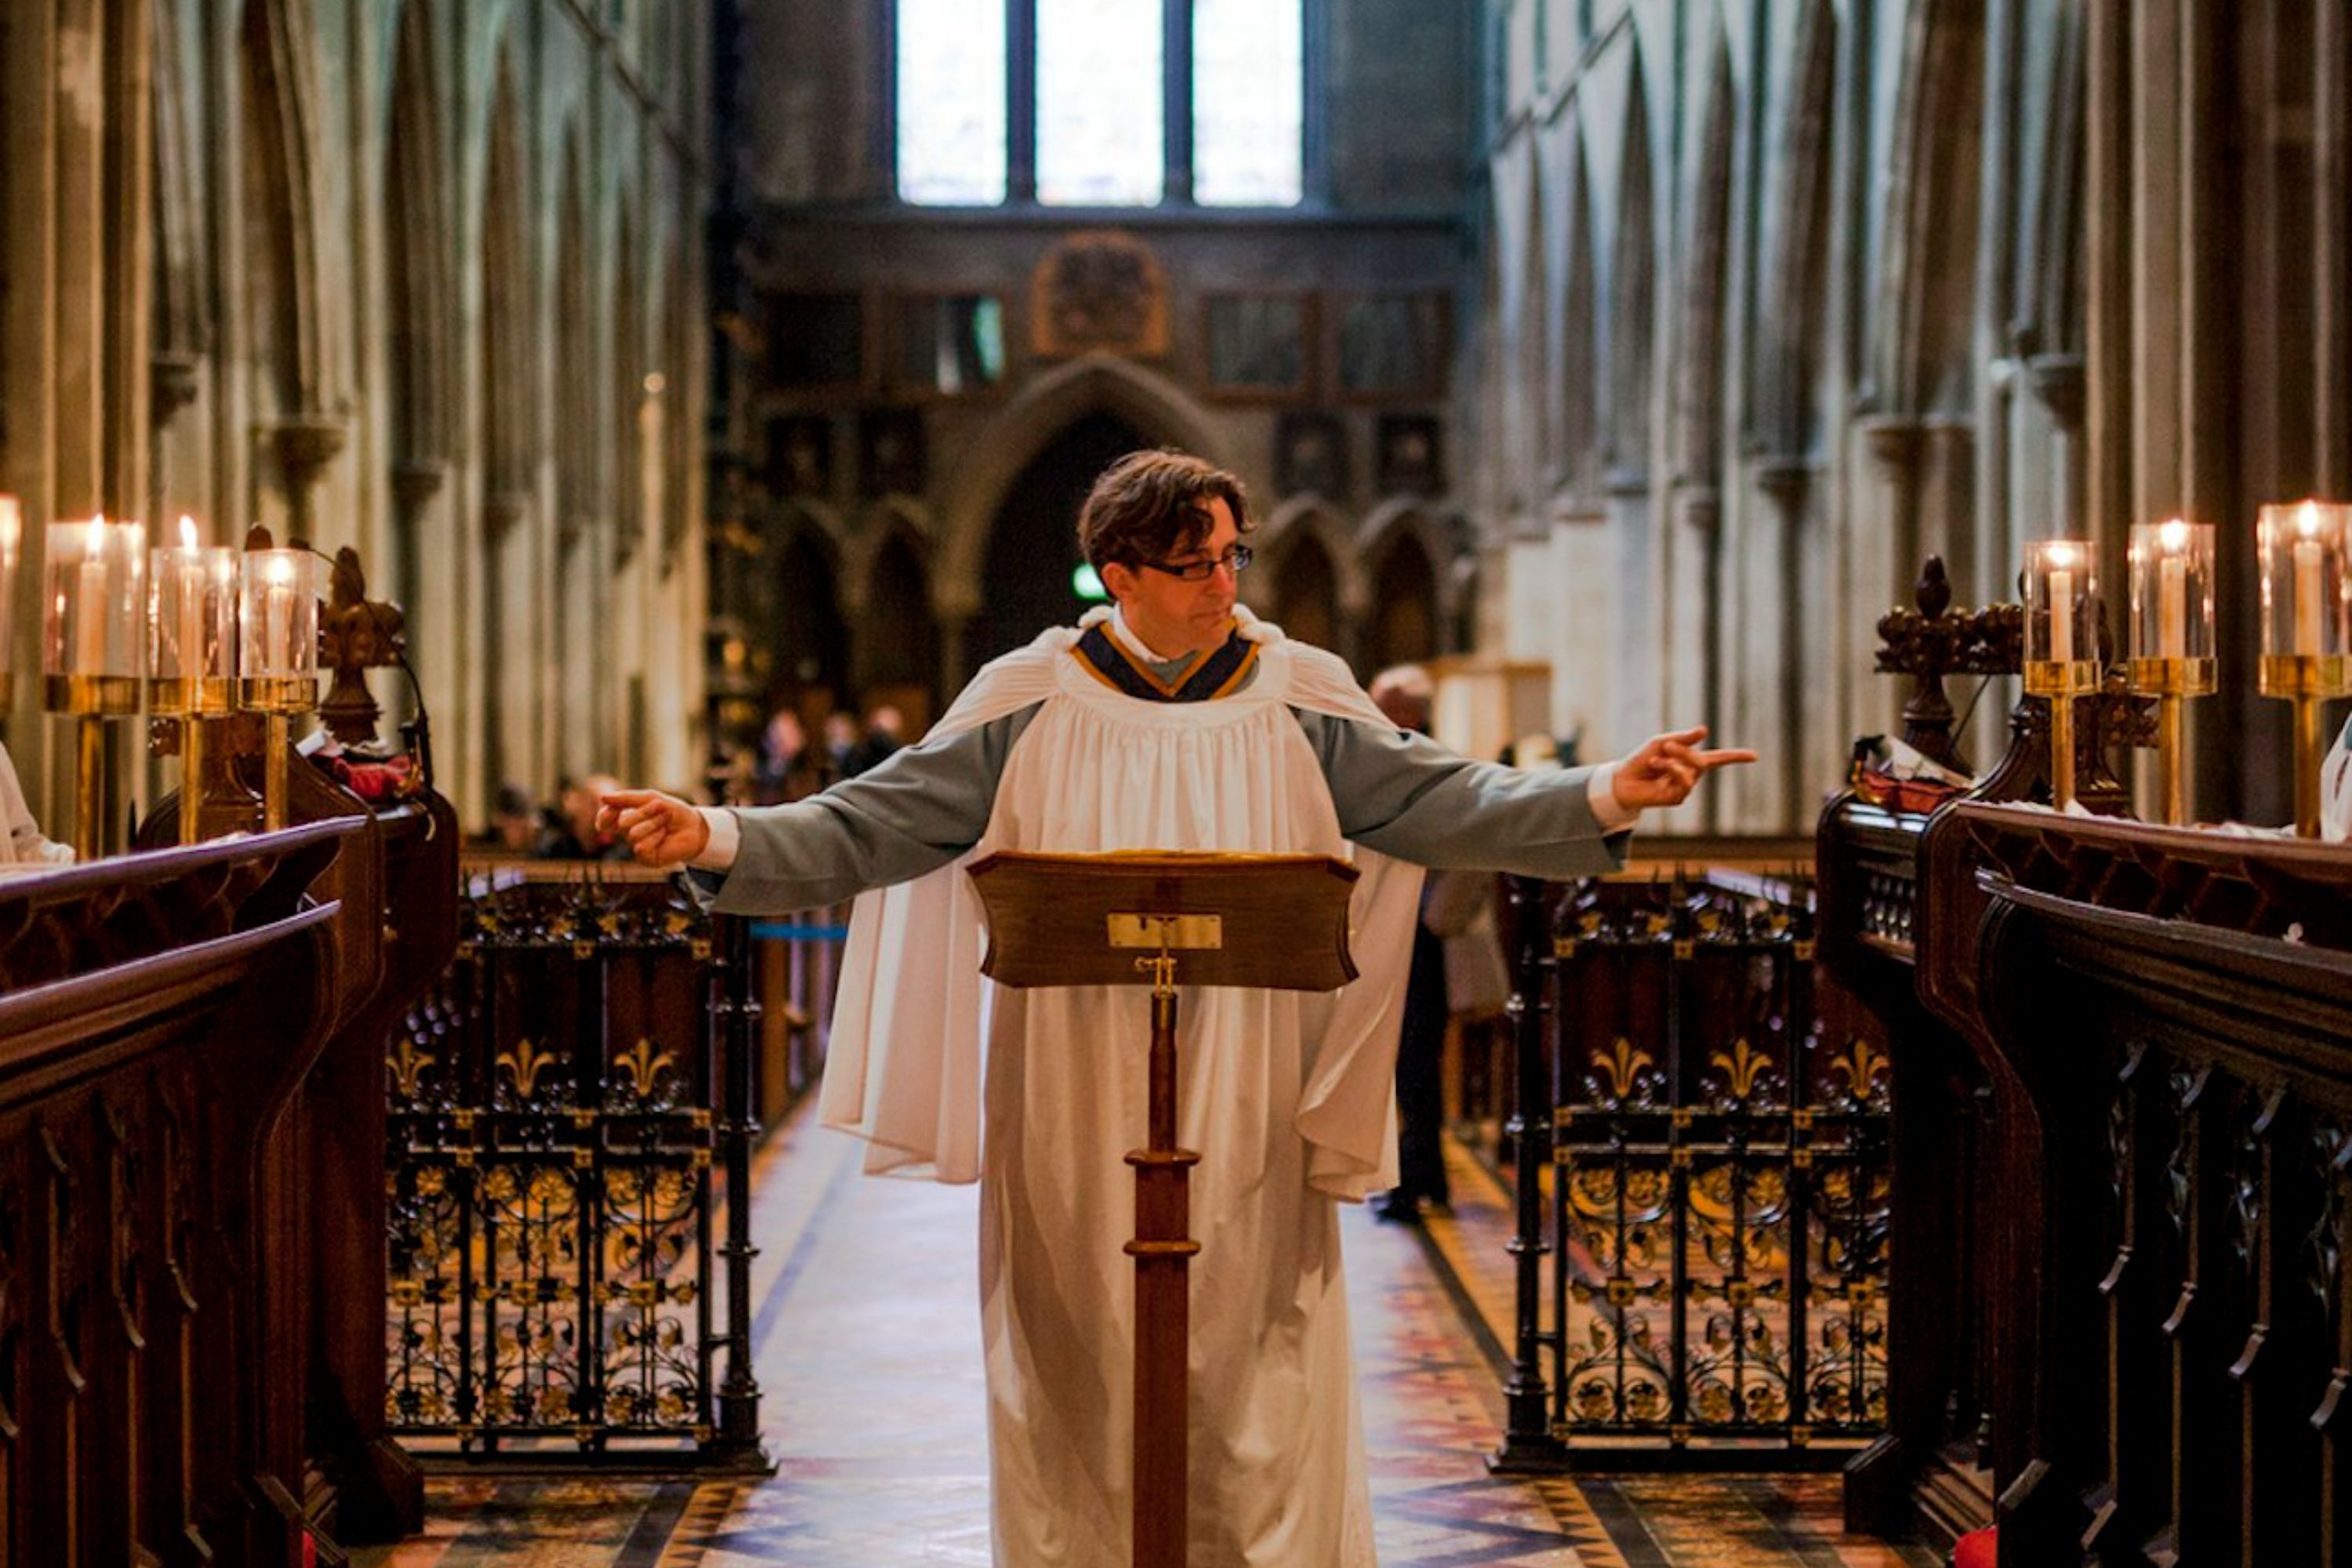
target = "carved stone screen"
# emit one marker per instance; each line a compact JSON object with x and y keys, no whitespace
{"x":950,"y":344}
{"x":1257,"y":343}
{"x":815,"y":340}
{"x":1390,"y":343}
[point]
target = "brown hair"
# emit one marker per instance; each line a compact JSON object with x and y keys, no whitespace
{"x":1154,"y":506}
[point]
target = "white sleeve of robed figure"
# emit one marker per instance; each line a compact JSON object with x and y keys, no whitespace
{"x":21,"y":839}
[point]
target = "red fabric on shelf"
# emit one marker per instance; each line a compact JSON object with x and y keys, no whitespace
{"x":1978,"y":1549}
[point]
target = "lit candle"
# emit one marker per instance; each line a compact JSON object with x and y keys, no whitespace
{"x":2310,"y":557}
{"x":12,"y":544}
{"x":90,"y":602}
{"x":2062,"y":606}
{"x":277,"y":616}
{"x":2172,"y":591}
{"x":189,"y":570}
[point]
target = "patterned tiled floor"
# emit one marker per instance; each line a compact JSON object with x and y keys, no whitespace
{"x":868,"y":1355}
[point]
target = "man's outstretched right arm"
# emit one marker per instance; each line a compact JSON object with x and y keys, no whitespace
{"x":913,"y":813}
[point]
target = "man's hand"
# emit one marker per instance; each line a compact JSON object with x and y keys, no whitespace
{"x":1667,"y":768}
{"x":659,"y":829}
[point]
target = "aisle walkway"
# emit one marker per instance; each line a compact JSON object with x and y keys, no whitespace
{"x":868,"y":1355}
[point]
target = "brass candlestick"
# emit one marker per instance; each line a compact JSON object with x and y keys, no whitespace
{"x":192,"y":700}
{"x":278,"y":652}
{"x":2173,"y":640}
{"x":2308,"y":680}
{"x":2306,"y":630}
{"x":280,"y":699}
{"x":2062,"y":598}
{"x":2172,"y":682}
{"x":90,"y":701}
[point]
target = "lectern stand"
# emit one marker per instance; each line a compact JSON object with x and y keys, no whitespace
{"x":1156,"y":918}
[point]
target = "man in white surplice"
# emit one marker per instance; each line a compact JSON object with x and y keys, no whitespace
{"x":1175,"y":721}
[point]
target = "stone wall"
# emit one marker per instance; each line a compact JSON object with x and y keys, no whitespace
{"x":1771,"y":301}
{"x":420,"y":276}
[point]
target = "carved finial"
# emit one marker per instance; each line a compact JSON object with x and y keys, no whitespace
{"x":1933,"y":592}
{"x":356,"y":634}
{"x":1935,"y":640}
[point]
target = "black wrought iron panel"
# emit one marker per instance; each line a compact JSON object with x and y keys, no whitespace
{"x":1715,"y":1204}
{"x":570,"y":1109}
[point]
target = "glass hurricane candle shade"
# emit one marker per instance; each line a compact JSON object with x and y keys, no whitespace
{"x":2172,"y":608}
{"x":192,"y":629}
{"x":12,"y":552}
{"x":95,"y":591}
{"x":278,"y":647}
{"x":2061,"y":626}
{"x":2307,"y":619}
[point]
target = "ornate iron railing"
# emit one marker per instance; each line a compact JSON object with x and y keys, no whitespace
{"x":1703,"y":1182}
{"x":571,"y":1127}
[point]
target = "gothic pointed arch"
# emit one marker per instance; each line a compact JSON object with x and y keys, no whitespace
{"x":1579,"y":332}
{"x":2052,"y":318}
{"x":1706,"y":279}
{"x":279,"y":204}
{"x":628,"y":340}
{"x":577,"y":471}
{"x":897,"y":655}
{"x":419,"y":287}
{"x":1795,"y":286}
{"x":1157,"y":409}
{"x":1296,"y":581}
{"x":1409,"y":609}
{"x":182,"y":317}
{"x":1921,"y":358}
{"x":806,"y":634}
{"x":1531,"y":375}
{"x":1633,"y":291}
{"x":509,"y":393}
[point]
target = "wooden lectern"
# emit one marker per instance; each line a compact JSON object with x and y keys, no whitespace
{"x":1155,"y":917}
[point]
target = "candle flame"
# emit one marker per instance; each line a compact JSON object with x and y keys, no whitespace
{"x":12,"y":525}
{"x":279,"y":567}
{"x":2060,"y":555}
{"x":94,"y":542}
{"x":2172,"y":535}
{"x":187,"y":531}
{"x":2306,"y":520}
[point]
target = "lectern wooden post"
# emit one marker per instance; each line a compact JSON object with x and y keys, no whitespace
{"x":1272,"y":921}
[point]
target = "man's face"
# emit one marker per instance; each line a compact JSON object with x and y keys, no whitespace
{"x":1172,"y":616}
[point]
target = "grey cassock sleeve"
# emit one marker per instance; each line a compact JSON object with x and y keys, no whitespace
{"x":914,"y":813}
{"x":1405,"y":795}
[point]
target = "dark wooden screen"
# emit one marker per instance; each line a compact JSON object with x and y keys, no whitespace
{"x":1715,"y":1213}
{"x":572,"y":1120}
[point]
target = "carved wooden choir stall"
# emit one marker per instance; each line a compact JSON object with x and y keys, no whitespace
{"x":192,"y":1115}
{"x":2123,"y":1150}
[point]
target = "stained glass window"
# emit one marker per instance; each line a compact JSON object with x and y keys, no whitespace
{"x":952,"y":102}
{"x":1098,"y":102}
{"x":1248,"y":89}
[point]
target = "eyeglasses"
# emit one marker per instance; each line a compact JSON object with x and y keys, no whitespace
{"x":1234,"y":559}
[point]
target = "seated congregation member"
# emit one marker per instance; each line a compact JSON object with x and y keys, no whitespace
{"x":1173,"y":721}
{"x":22,"y":842}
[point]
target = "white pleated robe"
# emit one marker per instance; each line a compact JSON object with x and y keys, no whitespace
{"x":1286,"y":1096}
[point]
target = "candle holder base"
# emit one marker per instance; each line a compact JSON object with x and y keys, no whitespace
{"x":91,"y":696}
{"x":212,"y":698}
{"x":276,"y":775}
{"x":2173,"y":678}
{"x":2300,"y":674}
{"x":90,"y":787}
